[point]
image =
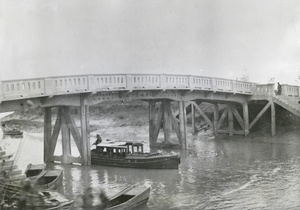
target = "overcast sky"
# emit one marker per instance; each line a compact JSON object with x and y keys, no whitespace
{"x":217,"y":38}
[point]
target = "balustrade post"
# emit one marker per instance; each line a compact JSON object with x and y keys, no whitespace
{"x":213,"y":84}
{"x":271,"y":89}
{"x":129,"y":82}
{"x":91,"y":83}
{"x":49,"y":86}
{"x":162,"y":81}
{"x":233,"y":86}
{"x":191,"y":82}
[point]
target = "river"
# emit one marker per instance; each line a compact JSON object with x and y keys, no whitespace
{"x":215,"y":173}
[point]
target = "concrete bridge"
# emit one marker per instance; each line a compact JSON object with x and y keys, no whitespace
{"x":160,"y":91}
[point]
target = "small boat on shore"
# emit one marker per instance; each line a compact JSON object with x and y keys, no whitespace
{"x":13,"y":132}
{"x":131,"y":155}
{"x":49,"y":179}
{"x":32,"y":171}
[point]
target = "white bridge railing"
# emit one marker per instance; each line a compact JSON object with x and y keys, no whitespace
{"x":18,"y":89}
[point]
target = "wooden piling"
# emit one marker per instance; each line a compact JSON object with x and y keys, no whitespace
{"x":230,"y":120}
{"x":182,"y":124}
{"x":151,"y":123}
{"x":273,"y":119}
{"x":84,"y":119}
{"x":246,"y":118}
{"x":167,"y":121}
{"x":216,"y":119}
{"x":47,"y":134}
{"x":193,"y":119}
{"x":66,"y":142}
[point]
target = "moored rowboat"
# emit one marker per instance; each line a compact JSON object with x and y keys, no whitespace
{"x":129,"y":198}
{"x":50,"y":179}
{"x":32,"y":171}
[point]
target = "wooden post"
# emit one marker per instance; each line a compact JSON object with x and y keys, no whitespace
{"x":47,"y":134}
{"x":151,"y":123}
{"x":55,"y":133}
{"x":216,"y":119}
{"x":66,"y":141}
{"x":193,"y":119}
{"x":167,"y":121}
{"x":157,"y":123}
{"x":84,"y":115}
{"x":246,"y":118}
{"x":182,"y":125}
{"x":273,"y":120}
{"x":230,"y":120}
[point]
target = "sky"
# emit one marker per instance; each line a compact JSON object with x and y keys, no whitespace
{"x":217,"y":38}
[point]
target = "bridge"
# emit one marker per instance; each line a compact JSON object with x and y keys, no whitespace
{"x":160,"y":91}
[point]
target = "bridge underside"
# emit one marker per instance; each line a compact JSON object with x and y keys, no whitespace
{"x":230,"y":116}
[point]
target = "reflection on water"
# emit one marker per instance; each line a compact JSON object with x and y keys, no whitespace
{"x":213,"y":174}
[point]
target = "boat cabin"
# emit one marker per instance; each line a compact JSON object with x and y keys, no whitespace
{"x":135,"y":147}
{"x":119,"y":150}
{"x":111,"y":151}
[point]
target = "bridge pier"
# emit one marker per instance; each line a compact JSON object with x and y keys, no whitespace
{"x":65,"y":124}
{"x":163,"y":117}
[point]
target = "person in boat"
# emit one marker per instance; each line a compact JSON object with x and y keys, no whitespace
{"x":98,"y":140}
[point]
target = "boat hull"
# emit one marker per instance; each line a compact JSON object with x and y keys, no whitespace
{"x":171,"y":162}
{"x":51,"y":179}
{"x":32,"y":171}
{"x":13,"y":133}
{"x":139,"y":196}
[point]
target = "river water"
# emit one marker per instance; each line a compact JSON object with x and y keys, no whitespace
{"x":215,"y":173}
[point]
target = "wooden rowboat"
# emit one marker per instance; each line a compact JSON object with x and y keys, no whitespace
{"x":129,"y":198}
{"x":32,"y":171}
{"x":50,"y":179}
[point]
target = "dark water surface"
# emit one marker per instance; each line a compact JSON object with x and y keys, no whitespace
{"x":214,"y":174}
